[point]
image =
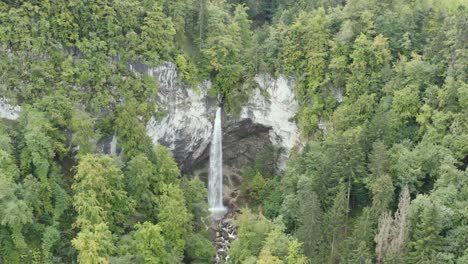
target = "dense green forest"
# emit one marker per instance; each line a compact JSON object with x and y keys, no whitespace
{"x":383,"y":180}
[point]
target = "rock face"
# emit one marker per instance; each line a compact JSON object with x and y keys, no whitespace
{"x":274,"y":104}
{"x":186,"y":125}
{"x":8,"y":111}
{"x":186,"y":128}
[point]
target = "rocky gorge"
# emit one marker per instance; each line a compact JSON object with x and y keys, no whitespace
{"x":265,"y":124}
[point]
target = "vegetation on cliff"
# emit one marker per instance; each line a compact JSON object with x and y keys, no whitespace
{"x":383,"y":178}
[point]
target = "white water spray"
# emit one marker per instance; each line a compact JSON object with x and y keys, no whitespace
{"x":215,"y":180}
{"x":113,"y":146}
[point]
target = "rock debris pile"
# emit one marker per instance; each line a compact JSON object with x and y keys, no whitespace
{"x":226,"y":232}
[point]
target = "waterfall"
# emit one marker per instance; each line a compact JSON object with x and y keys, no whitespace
{"x":215,"y":179}
{"x":113,"y":146}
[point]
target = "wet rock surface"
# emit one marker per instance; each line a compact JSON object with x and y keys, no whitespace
{"x":225,"y":232}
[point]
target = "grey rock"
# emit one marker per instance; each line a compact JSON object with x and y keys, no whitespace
{"x":8,"y":111}
{"x":186,"y":127}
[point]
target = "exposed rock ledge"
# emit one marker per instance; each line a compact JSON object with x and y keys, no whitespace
{"x":8,"y":111}
{"x":186,"y":128}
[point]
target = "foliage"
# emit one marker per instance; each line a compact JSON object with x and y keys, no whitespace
{"x":99,"y":194}
{"x":150,"y":244}
{"x":174,"y":220}
{"x":94,"y":244}
{"x":252,"y":230}
{"x":387,"y":78}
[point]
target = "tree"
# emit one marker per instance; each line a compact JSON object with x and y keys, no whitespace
{"x":57,"y":109}
{"x":142,"y":183}
{"x":174,"y":220}
{"x":195,"y":194}
{"x":335,"y":222}
{"x":178,"y":11}
{"x":289,"y":210}
{"x":392,"y":235}
{"x":167,"y":168}
{"x":224,"y":59}
{"x":276,"y":241}
{"x":370,"y":60}
{"x":267,"y":258}
{"x":131,"y":133}
{"x":272,"y":197}
{"x":94,"y":244}
{"x":294,"y":253}
{"x":359,"y":245}
{"x":200,"y":249}
{"x":310,"y":217}
{"x":99,"y":195}
{"x":157,"y":34}
{"x":306,"y":44}
{"x":241,"y":20}
{"x":306,"y":50}
{"x":49,"y":239}
{"x":378,"y":160}
{"x":38,"y":149}
{"x":150,"y":244}
{"x":426,"y":241}
{"x":85,"y":136}
{"x":382,"y":193}
{"x":406,"y":102}
{"x":281,"y":246}
{"x":256,"y":186}
{"x":345,"y":151}
{"x":220,"y":42}
{"x":401,"y":228}
{"x":15,"y":213}
{"x":251,"y":232}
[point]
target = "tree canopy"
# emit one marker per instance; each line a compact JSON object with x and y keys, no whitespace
{"x":382,"y":179}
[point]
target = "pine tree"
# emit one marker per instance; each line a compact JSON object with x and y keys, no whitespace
{"x":378,"y":159}
{"x":382,"y":193}
{"x":38,"y":149}
{"x":310,"y":217}
{"x":426,"y":241}
{"x":335,"y":223}
{"x":359,"y":245}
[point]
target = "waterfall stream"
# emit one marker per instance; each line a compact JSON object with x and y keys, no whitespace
{"x":113,"y":146}
{"x":215,"y":179}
